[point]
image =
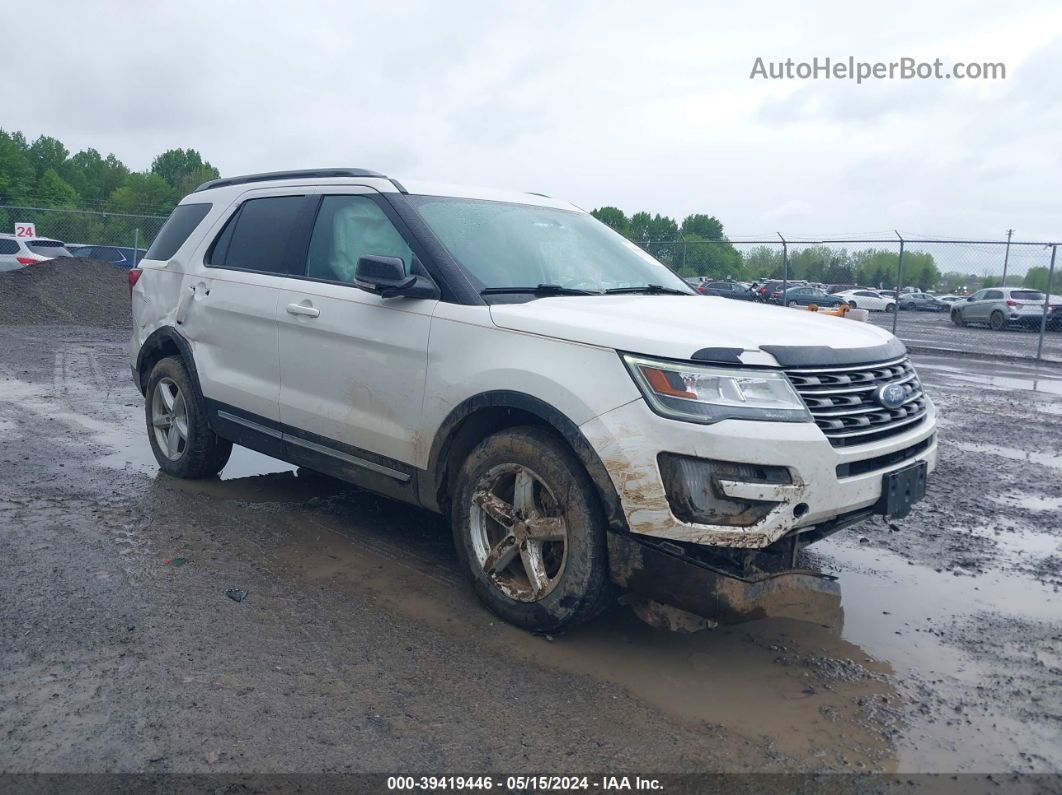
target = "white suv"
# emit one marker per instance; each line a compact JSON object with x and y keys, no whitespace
{"x":17,"y":252}
{"x":578,"y":411}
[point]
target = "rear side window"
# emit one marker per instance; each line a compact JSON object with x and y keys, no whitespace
{"x":181,"y":223}
{"x":993,"y":295}
{"x":47,"y":248}
{"x":1026,"y":295}
{"x":256,"y":237}
{"x":8,"y":246}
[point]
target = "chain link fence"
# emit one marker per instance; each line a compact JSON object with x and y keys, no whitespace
{"x":1012,"y":320}
{"x":85,"y":227}
{"x":928,"y":281}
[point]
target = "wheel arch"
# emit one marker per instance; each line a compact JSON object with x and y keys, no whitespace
{"x":481,"y":415}
{"x":162,"y":342}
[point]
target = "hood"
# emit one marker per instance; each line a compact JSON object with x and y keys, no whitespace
{"x":700,"y":327}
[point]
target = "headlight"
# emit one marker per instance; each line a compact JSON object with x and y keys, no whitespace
{"x":696,"y":393}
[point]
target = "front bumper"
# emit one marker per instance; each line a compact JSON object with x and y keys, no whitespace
{"x":630,"y":438}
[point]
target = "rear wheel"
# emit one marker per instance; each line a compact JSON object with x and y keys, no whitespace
{"x":180,"y":436}
{"x":956,"y":318}
{"x":890,"y":308}
{"x":997,"y":321}
{"x":530,"y":531}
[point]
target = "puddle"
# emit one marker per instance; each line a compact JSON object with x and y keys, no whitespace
{"x":1009,"y":384}
{"x":893,"y":610}
{"x":1032,"y":502}
{"x":1028,"y":456}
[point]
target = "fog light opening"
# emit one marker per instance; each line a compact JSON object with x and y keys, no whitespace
{"x":800,"y":510}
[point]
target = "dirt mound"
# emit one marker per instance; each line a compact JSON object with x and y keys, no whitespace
{"x":66,"y":291}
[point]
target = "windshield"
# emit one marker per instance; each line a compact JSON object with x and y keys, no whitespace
{"x":501,"y":244}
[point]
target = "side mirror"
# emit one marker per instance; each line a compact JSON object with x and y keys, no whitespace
{"x":387,"y":277}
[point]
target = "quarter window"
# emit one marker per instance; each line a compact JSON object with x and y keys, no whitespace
{"x":8,"y":246}
{"x":349,"y":227}
{"x":181,"y":223}
{"x":256,"y":237}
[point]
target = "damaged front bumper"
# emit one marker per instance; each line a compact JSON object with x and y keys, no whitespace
{"x":771,"y":479}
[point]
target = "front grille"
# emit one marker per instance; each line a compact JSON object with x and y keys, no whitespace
{"x":842,"y":402}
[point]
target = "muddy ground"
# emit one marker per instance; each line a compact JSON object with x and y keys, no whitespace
{"x":360,"y":648}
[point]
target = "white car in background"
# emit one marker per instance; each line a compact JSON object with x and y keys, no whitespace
{"x":868,"y":299}
{"x":16,"y":252}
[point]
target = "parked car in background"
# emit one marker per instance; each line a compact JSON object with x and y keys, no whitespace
{"x":17,"y":252}
{"x":806,"y":296}
{"x":116,"y":255}
{"x":772,"y":290}
{"x":922,"y":302}
{"x":868,"y":299}
{"x":840,"y":288}
{"x":949,"y":299}
{"x":999,"y":307}
{"x":733,"y":290}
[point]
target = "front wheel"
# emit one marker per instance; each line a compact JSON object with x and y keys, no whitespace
{"x":853,"y":305}
{"x":181,"y":438}
{"x":890,"y":308}
{"x":530,"y":531}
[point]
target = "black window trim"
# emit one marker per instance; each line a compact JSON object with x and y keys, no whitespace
{"x":298,"y":246}
{"x":233,"y":220}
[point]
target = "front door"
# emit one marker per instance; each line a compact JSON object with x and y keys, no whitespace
{"x":352,"y":364}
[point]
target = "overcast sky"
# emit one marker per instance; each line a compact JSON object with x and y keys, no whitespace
{"x":643,"y":105}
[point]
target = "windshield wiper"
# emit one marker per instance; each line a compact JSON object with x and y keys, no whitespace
{"x":539,"y":289}
{"x":648,"y":289}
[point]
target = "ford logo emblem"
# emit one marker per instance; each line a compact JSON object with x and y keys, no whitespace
{"x":891,"y":396}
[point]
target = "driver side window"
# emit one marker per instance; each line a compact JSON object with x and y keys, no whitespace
{"x":347,"y":228}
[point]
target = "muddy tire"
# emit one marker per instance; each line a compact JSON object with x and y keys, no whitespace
{"x":530,"y":531}
{"x":180,"y":436}
{"x":997,"y":321}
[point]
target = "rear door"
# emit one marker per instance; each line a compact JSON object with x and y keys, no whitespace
{"x":352,"y":364}
{"x":230,"y":311}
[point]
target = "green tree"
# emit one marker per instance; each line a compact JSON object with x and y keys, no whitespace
{"x":763,"y":262}
{"x":93,"y":176}
{"x":53,"y":191}
{"x":183,"y":170}
{"x":614,"y":218}
{"x":1036,"y":279}
{"x":715,"y":258}
{"x":706,"y":227}
{"x":46,"y":153}
{"x":17,"y":177}
{"x":143,"y":193}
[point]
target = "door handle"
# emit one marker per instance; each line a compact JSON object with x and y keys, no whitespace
{"x":303,"y":309}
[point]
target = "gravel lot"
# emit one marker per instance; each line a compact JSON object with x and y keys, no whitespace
{"x":359,"y":647}
{"x":935,"y":330}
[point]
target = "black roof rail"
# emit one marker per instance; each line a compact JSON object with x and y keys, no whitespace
{"x":534,"y":193}
{"x":309,"y":173}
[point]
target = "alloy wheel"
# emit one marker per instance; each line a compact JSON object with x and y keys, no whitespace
{"x":519,"y":533}
{"x":169,"y":419}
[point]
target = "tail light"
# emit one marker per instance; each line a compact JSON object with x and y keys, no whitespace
{"x":28,"y":260}
{"x":133,"y":278}
{"x":1012,"y":303}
